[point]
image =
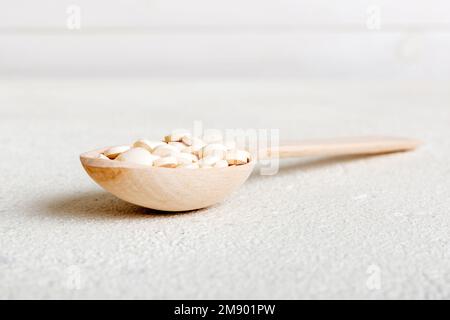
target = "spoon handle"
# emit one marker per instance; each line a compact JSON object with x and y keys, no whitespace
{"x":343,"y":146}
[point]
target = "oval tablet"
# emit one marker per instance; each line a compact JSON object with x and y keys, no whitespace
{"x":137,"y":155}
{"x":113,"y":152}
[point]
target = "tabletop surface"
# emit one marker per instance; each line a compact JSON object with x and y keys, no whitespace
{"x":354,"y":227}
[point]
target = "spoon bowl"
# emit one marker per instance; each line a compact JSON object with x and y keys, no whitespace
{"x":166,"y":189}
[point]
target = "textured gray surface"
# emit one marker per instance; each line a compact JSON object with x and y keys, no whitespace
{"x":321,"y":228}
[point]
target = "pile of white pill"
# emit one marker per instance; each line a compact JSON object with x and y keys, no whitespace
{"x":180,"y":150}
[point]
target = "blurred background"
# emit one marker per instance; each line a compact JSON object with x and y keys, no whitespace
{"x":307,"y":39}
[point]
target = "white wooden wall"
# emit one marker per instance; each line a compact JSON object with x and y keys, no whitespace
{"x":227,"y":38}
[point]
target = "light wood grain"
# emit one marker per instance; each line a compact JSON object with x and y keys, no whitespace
{"x":343,"y":146}
{"x":181,"y":189}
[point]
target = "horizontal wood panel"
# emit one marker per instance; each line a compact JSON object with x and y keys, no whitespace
{"x":160,"y":13}
{"x":367,"y":55}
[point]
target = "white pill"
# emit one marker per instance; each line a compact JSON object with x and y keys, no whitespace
{"x":214,"y":149}
{"x":179,"y":145}
{"x":137,"y":155}
{"x":189,"y":166}
{"x":189,"y":140}
{"x":147,"y":144}
{"x":221,"y":164}
{"x":186,"y":158}
{"x":165,"y":150}
{"x":176,"y":135}
{"x":197,"y":146}
{"x":194,"y":149}
{"x":113,"y":152}
{"x":230,"y":144}
{"x":208,"y":161}
{"x":166,"y":162}
{"x":237,"y":157}
{"x":213,"y":137}
{"x":102,"y":156}
{"x":188,"y":150}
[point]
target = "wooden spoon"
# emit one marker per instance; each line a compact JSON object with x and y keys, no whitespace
{"x":181,"y":189}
